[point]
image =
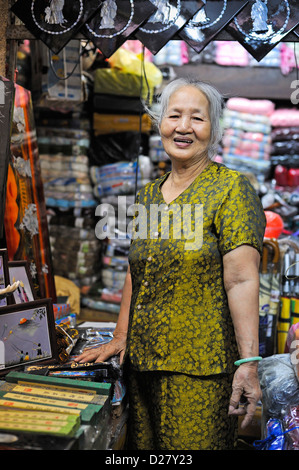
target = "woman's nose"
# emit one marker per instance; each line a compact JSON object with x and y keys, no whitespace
{"x":184,"y":124}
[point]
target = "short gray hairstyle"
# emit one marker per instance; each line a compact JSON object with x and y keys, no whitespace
{"x":214,"y":98}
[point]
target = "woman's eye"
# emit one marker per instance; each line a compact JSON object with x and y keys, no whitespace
{"x":196,"y":118}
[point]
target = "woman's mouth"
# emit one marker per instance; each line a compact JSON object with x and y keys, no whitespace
{"x":182,"y":141}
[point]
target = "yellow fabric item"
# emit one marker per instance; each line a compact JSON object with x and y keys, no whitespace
{"x":66,"y":288}
{"x":179,"y":317}
{"x":179,"y":412}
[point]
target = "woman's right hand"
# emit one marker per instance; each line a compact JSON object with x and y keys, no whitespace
{"x":116,"y":346}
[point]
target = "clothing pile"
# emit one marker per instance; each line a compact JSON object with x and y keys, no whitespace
{"x":63,"y":146}
{"x":114,"y":187}
{"x":247,"y":135}
{"x":285,"y":147}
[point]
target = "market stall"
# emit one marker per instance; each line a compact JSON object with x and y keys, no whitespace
{"x":78,"y":144}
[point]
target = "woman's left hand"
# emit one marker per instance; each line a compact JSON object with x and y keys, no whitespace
{"x":245,"y":385}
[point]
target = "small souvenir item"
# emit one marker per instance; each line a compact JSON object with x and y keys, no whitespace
{"x":115,"y":22}
{"x":208,"y":21}
{"x":55,"y":22}
{"x":262,"y":24}
{"x":169,"y":18}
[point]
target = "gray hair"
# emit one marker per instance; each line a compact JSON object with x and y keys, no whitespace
{"x":215,"y":108}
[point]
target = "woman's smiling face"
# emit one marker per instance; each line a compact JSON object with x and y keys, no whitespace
{"x":185,"y":128}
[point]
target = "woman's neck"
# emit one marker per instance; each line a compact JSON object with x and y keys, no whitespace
{"x":184,"y":174}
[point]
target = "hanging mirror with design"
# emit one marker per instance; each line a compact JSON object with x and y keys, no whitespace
{"x":262,"y":24}
{"x":168,"y":19}
{"x":208,"y":21}
{"x":115,"y":22}
{"x":55,"y":22}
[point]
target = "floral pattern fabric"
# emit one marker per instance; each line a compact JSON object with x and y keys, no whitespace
{"x":179,"y":316}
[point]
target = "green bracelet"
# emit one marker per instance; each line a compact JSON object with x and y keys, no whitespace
{"x":248,"y":359}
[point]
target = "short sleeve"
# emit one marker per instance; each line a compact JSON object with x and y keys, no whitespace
{"x":240,"y":219}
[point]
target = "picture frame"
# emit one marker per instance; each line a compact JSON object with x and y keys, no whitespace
{"x":27,"y":335}
{"x":4,"y":277}
{"x":19,"y":271}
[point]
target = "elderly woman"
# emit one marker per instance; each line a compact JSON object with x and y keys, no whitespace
{"x":190,"y":300}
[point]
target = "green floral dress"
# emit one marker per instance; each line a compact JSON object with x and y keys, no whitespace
{"x":179,"y":318}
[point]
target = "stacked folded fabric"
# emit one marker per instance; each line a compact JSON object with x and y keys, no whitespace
{"x":114,"y":187}
{"x":120,"y":178}
{"x":285,"y":147}
{"x":247,"y":135}
{"x":113,"y":228}
{"x":231,"y":53}
{"x":66,"y":181}
{"x":76,"y":252}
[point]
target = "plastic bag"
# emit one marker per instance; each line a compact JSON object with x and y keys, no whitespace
{"x":278,"y":383}
{"x":129,"y":63}
{"x":275,"y":438}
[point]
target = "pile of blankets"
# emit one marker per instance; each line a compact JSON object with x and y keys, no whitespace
{"x":246,"y":144}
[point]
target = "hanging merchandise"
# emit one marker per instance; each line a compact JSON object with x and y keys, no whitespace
{"x":115,"y":22}
{"x":55,"y":22}
{"x":61,"y":77}
{"x":170,"y":17}
{"x":210,"y":19}
{"x":261,"y":25}
{"x":25,"y":220}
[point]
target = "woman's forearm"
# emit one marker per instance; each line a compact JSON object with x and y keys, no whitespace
{"x":123,"y":317}
{"x":241,"y":282}
{"x":244,"y":308}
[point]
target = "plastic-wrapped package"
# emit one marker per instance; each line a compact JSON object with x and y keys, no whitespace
{"x":124,"y":79}
{"x":275,"y":437}
{"x":119,"y":178}
{"x":280,"y":389}
{"x":291,"y":425}
{"x":278,"y":383}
